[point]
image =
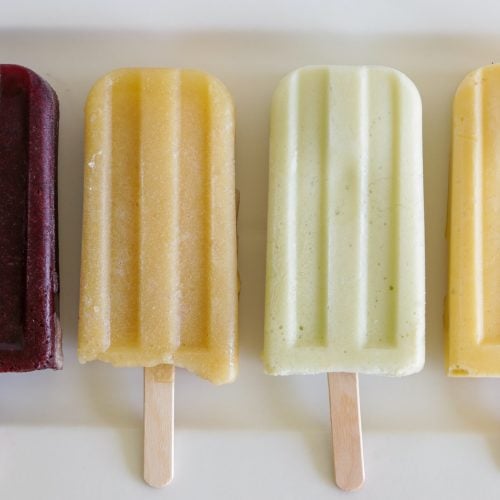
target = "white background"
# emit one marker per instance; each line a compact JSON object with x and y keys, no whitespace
{"x":77,"y":434}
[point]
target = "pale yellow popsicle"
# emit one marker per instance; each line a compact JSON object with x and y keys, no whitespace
{"x":472,"y":318}
{"x":158,"y":275}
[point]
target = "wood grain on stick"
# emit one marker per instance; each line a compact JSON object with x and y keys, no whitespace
{"x":159,"y":425}
{"x":346,"y":430}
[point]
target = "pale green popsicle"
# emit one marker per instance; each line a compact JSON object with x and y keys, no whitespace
{"x":345,"y":285}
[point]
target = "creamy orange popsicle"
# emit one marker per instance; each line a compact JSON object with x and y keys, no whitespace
{"x":473,"y":302}
{"x":158,"y":276}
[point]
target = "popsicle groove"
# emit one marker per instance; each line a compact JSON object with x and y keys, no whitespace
{"x":395,"y":276}
{"x":174,"y":248}
{"x":292,"y":214}
{"x":193,"y":188}
{"x":490,"y":210}
{"x":383,"y":201}
{"x":105,"y":157}
{"x":142,"y":210}
{"x":478,"y":208}
{"x":362,"y":243}
{"x":159,"y":198}
{"x":210,"y":138}
{"x":14,"y":203}
{"x":298,"y":340}
{"x":312,"y":278}
{"x":124,"y":193}
{"x":324,"y":243}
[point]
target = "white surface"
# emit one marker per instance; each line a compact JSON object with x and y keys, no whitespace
{"x":77,"y":433}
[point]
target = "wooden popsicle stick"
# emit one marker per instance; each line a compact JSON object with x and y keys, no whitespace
{"x":347,"y":439}
{"x":159,"y":425}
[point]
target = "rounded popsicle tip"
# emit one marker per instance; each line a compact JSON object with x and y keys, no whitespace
{"x":21,"y":77}
{"x":473,"y":79}
{"x":404,"y":79}
{"x":17,"y":74}
{"x":466,"y":85}
{"x":215,"y":83}
{"x":135,"y":75}
{"x":103,"y":85}
{"x":333,"y":75}
{"x":22,"y":73}
{"x":406,"y":83}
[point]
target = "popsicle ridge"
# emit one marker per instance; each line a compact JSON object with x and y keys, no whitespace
{"x":171,"y":253}
{"x":342,"y":167}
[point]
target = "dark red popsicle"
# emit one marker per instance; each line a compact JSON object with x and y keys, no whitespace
{"x":30,"y":336}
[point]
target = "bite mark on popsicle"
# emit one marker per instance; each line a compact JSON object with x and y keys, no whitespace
{"x":161,"y":145}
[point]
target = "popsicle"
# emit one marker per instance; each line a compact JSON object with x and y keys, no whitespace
{"x":30,"y":335}
{"x":345,"y":287}
{"x":158,"y":276}
{"x":473,"y":302}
